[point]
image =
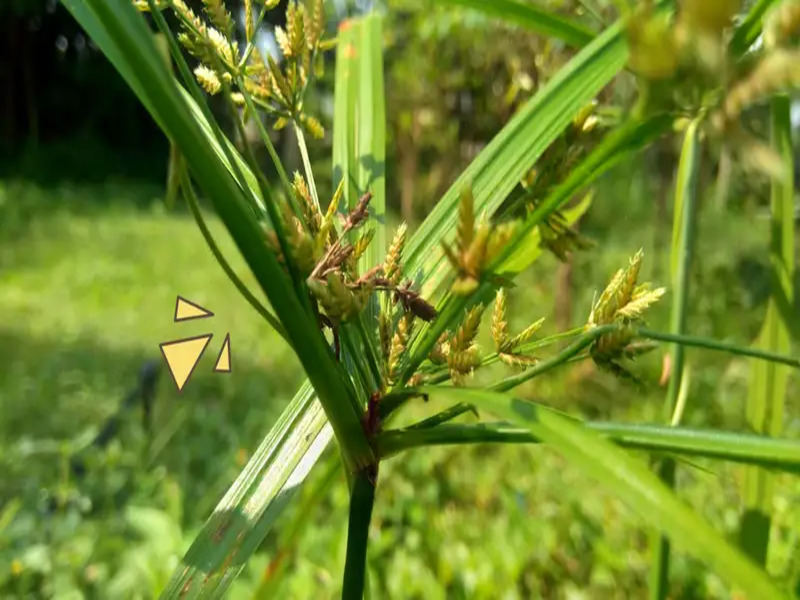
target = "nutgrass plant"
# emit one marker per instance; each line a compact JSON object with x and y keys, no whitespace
{"x":383,"y":319}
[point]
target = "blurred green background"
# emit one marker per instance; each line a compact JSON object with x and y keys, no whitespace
{"x":91,"y":261}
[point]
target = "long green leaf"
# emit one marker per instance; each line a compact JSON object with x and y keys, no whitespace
{"x":768,"y":384}
{"x":533,"y":18}
{"x":251,"y":506}
{"x":627,"y":478}
{"x":743,"y":448}
{"x":683,"y":235}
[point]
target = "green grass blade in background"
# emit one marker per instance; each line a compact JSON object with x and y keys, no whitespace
{"x":627,"y":478}
{"x":371,"y":132}
{"x":767,"y":395}
{"x":750,"y":28}
{"x":252,"y":505}
{"x":531,"y":17}
{"x":359,"y":124}
{"x":498,"y":167}
{"x":683,"y":234}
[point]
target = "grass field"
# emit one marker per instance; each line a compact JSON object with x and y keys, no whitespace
{"x":88,"y":279}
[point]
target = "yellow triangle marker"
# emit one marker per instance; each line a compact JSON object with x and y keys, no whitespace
{"x":224,"y":359}
{"x":186,"y":309}
{"x":182,"y":357}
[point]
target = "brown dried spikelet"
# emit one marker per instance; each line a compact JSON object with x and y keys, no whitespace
{"x":393,"y":269}
{"x":500,"y":322}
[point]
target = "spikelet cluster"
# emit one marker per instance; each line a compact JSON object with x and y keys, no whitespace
{"x":463,"y":355}
{"x":475,"y":246}
{"x":398,"y":347}
{"x":277,"y":88}
{"x":622,"y":302}
{"x":510,"y":349}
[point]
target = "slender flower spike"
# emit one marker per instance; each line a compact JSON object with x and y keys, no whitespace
{"x":499,"y":322}
{"x":623,"y":302}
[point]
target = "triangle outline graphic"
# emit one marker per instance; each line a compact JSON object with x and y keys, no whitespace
{"x":223,"y":364}
{"x":182,"y":357}
{"x":191,"y":310}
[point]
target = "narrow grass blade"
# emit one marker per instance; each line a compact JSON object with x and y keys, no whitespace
{"x":359,"y":124}
{"x":255,"y":500}
{"x":531,"y":17}
{"x":750,"y":28}
{"x":782,"y":455}
{"x":683,"y":234}
{"x":627,"y":478}
{"x":768,"y":383}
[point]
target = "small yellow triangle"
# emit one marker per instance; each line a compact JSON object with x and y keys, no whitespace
{"x":224,"y":360}
{"x":186,"y":309}
{"x":182,"y":357}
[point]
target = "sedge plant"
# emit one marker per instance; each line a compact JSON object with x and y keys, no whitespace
{"x":382,"y":319}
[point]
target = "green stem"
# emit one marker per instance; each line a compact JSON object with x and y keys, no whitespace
{"x":778,"y":454}
{"x":301,"y":142}
{"x":444,"y":416}
{"x":191,"y":200}
{"x":362,"y":499}
{"x":272,"y":209}
{"x":369,"y":351}
{"x":683,"y":244}
{"x":709,"y":344}
{"x":562,"y":357}
{"x":264,"y":134}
